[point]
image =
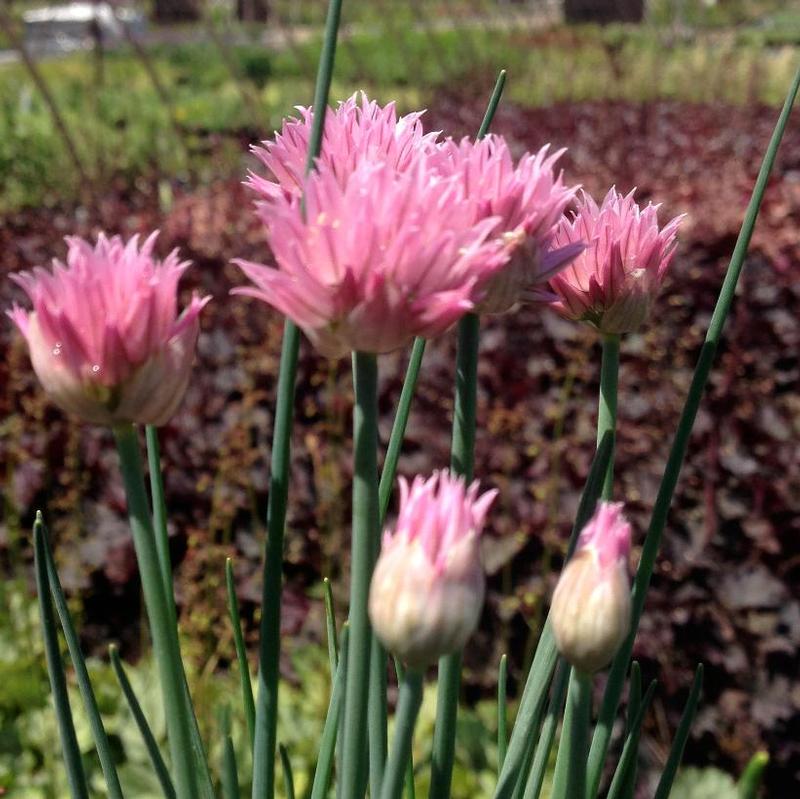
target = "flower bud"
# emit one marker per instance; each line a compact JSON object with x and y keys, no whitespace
{"x":105,"y":338}
{"x":591,"y":607}
{"x":427,"y":589}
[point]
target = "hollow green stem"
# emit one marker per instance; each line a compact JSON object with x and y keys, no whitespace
{"x":76,"y":776}
{"x":408,"y":704}
{"x":399,"y":425}
{"x":81,"y":672}
{"x":607,"y":406}
{"x":652,"y":542}
{"x":569,"y":781}
{"x":533,"y":787}
{"x":162,"y":627}
{"x":149,"y":740}
{"x":364,"y":536}
{"x":241,"y":652}
{"x":502,"y":711}
{"x":159,"y":512}
{"x":266,"y":720}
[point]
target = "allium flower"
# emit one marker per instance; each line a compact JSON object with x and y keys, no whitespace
{"x":591,"y":607}
{"x":372,"y":261}
{"x":105,"y":338}
{"x":427,"y":589}
{"x":353,"y":132}
{"x":613,"y":282}
{"x":527,"y":199}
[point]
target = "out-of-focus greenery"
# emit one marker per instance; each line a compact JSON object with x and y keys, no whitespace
{"x":220,"y":101}
{"x":31,"y":766}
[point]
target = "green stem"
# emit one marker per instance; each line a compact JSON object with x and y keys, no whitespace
{"x":607,"y":406}
{"x":159,"y":512}
{"x":81,"y":672}
{"x":541,"y":759}
{"x":502,"y":711}
{"x":149,"y":740}
{"x":165,"y":639}
{"x":569,"y":781}
{"x":399,"y":425}
{"x":652,"y":542}
{"x":76,"y":776}
{"x":241,"y":653}
{"x":408,"y":704}
{"x":364,"y":535}
{"x":266,"y":721}
{"x":462,"y":457}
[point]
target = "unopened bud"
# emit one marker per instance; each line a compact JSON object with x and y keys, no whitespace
{"x":591,"y":607}
{"x":428,"y":586}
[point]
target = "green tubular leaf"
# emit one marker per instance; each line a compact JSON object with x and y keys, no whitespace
{"x":681,"y":736}
{"x":544,"y":661}
{"x":494,"y":100}
{"x":502,"y":711}
{"x":627,"y":761}
{"x":533,"y":788}
{"x":330,"y":627}
{"x":327,"y":747}
{"x":154,"y":753}
{"x":677,"y":453}
{"x":634,"y":703}
{"x":241,"y":651}
{"x":408,"y":704}
{"x":288,"y":777}
{"x":55,"y":669}
{"x":266,"y":720}
{"x":750,"y":781}
{"x":364,"y":539}
{"x":81,"y":672}
{"x":230,"y":772}
{"x":165,"y":564}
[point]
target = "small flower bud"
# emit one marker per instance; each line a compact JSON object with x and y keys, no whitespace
{"x":591,"y":607}
{"x":105,"y":338}
{"x":427,"y":589}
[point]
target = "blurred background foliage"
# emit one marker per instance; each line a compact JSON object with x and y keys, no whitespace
{"x":161,"y":122}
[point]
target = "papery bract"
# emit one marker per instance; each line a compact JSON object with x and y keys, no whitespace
{"x":372,"y":261}
{"x":428,"y":586}
{"x":354,"y":132}
{"x":591,"y":607}
{"x":613,"y":282}
{"x":527,"y":199}
{"x":104,"y":335}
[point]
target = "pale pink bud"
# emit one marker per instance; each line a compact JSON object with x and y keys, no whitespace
{"x":105,"y":337}
{"x":527,"y":199}
{"x":591,"y":607}
{"x":428,"y":586}
{"x":613,"y":283}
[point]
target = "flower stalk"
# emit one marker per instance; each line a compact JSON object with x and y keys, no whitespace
{"x":363,"y":549}
{"x":408,"y":704}
{"x":165,"y":639}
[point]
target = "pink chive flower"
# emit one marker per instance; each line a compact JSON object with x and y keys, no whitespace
{"x":614,"y":281}
{"x":591,"y":607}
{"x":353,"y":132}
{"x":374,"y":260}
{"x":104,"y":335}
{"x":528,"y":199}
{"x":428,"y":585}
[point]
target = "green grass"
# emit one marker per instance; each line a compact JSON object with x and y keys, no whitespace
{"x":124,"y":133}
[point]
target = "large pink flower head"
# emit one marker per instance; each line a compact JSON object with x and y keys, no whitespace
{"x":353,"y":132}
{"x":614,"y":281}
{"x":427,"y":589}
{"x":527,"y":199}
{"x":105,"y":337}
{"x":591,"y":606}
{"x":369,"y":262}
